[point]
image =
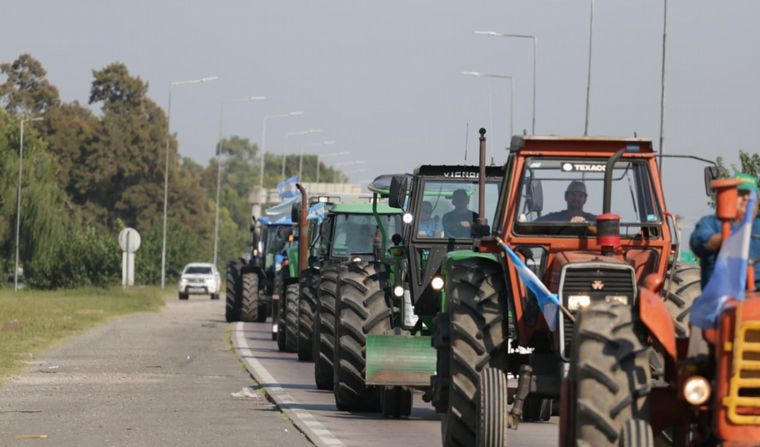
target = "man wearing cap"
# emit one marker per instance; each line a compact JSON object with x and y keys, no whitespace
{"x":457,"y":222}
{"x":575,"y":197}
{"x":705,"y":241}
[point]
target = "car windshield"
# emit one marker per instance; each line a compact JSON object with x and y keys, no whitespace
{"x":198,"y":270}
{"x":449,"y":208}
{"x":356,"y":233}
{"x":570,"y":192}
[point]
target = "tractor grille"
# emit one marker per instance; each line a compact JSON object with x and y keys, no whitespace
{"x":743,"y":399}
{"x":601,"y":282}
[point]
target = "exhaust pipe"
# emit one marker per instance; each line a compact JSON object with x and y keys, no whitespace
{"x":607,"y":223}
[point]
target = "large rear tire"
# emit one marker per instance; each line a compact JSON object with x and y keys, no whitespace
{"x":250,"y":297}
{"x":492,"y":409}
{"x":680,"y":295}
{"x":477,"y":337}
{"x":234,"y":288}
{"x":290,"y":319}
{"x":306,"y":306}
{"x":324,"y":327}
{"x":611,"y":374}
{"x":361,"y":310}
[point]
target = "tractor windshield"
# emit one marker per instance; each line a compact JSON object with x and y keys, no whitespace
{"x":357,"y":233}
{"x":557,"y":195}
{"x":449,"y":208}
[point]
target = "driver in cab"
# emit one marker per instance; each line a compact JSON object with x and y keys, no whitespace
{"x":457,"y":222}
{"x":575,"y":197}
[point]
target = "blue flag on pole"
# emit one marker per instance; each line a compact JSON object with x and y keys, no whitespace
{"x":547,"y":301}
{"x":729,"y":278}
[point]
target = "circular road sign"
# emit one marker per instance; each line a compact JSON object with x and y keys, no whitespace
{"x":131,"y":235}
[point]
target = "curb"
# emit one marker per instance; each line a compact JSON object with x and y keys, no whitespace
{"x":303,"y":420}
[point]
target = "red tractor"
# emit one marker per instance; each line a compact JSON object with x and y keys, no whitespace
{"x":587,"y":218}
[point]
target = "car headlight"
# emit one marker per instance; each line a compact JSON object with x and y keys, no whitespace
{"x":575,"y":302}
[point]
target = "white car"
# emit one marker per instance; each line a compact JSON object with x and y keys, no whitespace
{"x":199,"y":278}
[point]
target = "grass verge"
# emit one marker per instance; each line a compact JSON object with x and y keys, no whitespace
{"x":31,"y":321}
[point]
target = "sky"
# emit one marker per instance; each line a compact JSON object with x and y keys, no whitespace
{"x":383,"y":79}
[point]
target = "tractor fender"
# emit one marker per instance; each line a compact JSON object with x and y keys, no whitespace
{"x":654,"y":314}
{"x":460,"y":255}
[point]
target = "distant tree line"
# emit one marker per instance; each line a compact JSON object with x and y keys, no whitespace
{"x":89,"y":172}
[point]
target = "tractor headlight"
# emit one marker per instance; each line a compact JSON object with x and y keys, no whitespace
{"x":696,"y":390}
{"x":407,"y":218}
{"x":357,"y":259}
{"x":398,"y":291}
{"x":437,"y":283}
{"x":622,"y":299}
{"x":575,"y":302}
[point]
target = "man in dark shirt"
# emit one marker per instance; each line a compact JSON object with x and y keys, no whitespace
{"x":457,"y":222}
{"x":575,"y":197}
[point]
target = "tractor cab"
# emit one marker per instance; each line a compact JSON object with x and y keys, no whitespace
{"x":440,"y":205}
{"x":557,"y":213}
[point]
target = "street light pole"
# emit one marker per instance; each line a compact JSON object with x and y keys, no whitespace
{"x":18,"y":194}
{"x":264,"y":139}
{"x":535,"y":51}
{"x":166,"y":166}
{"x":662,"y":83}
{"x":219,"y":166}
{"x":294,"y":134}
{"x":588,"y":81}
{"x":300,"y":160}
{"x":334,"y":154}
{"x":478,"y":74}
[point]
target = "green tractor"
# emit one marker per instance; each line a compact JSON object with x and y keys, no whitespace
{"x":350,"y":236}
{"x":386,"y":307}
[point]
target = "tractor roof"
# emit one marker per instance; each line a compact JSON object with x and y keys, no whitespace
{"x":362,"y":208}
{"x":584,"y":145}
{"x":458,"y":171}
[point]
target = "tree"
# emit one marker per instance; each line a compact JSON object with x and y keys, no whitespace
{"x":26,"y":90}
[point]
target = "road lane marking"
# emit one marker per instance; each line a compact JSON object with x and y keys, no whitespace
{"x":306,"y":422}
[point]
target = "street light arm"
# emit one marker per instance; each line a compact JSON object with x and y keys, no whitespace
{"x":194,"y":81}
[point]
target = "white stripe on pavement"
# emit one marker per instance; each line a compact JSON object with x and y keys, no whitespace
{"x":305,"y":421}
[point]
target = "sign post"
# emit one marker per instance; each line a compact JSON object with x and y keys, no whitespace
{"x":129,"y":241}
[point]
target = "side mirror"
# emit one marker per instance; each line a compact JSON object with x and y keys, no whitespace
{"x":397,"y":193}
{"x":295,"y":213}
{"x":711,"y":173}
{"x":535,"y":199}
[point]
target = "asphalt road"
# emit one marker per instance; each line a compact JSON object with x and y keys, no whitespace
{"x":170,"y":379}
{"x":291,"y":384}
{"x":159,"y":379}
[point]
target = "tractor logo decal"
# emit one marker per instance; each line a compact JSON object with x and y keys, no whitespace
{"x":597,"y":285}
{"x":583,"y":167}
{"x":461,"y":174}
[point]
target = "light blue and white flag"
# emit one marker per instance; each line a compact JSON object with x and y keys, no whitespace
{"x":288,"y":188}
{"x":729,"y":278}
{"x":317,"y":212}
{"x":547,"y":301}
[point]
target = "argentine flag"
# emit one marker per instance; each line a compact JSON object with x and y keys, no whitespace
{"x":288,"y":188}
{"x":729,"y":279}
{"x":547,"y":301}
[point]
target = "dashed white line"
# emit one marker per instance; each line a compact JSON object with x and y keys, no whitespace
{"x":305,"y":421}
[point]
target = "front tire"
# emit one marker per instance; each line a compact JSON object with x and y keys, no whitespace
{"x":306,"y":307}
{"x":250,"y":297}
{"x":492,"y":409}
{"x":611,"y":374}
{"x":361,"y":310}
{"x":324,"y":328}
{"x":234,"y":288}
{"x":476,"y":305}
{"x":289,"y":321}
{"x":680,"y":295}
